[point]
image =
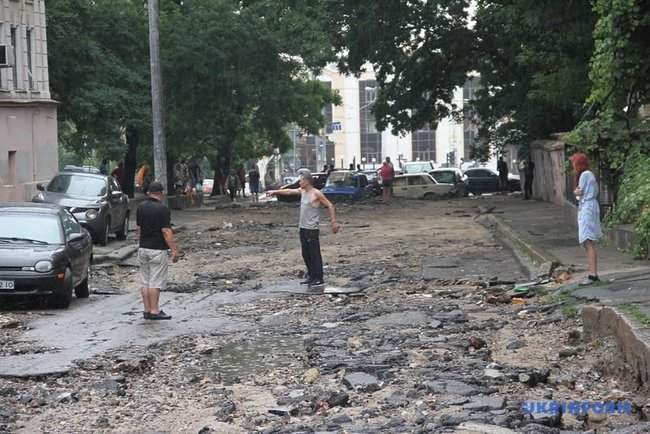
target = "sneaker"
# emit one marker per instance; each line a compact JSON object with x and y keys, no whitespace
{"x":589,"y":280}
{"x":307,"y":281}
{"x":318,"y":282}
{"x":159,"y":316}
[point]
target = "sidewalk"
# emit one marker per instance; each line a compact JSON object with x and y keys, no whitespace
{"x":540,"y":232}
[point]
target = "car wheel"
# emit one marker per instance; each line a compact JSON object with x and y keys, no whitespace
{"x":62,"y":301}
{"x":429,"y":196}
{"x":102,"y":239}
{"x":124,"y":230}
{"x":83,"y":290}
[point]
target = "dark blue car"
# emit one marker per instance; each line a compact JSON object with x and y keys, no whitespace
{"x":346,"y":186}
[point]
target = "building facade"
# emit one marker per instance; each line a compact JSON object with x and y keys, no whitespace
{"x":28,"y":123}
{"x":351,"y":137}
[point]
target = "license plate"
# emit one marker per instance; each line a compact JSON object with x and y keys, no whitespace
{"x":6,"y":284}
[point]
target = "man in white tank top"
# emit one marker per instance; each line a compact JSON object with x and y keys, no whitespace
{"x":310,"y":204}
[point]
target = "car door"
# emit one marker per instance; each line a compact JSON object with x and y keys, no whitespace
{"x":417,"y":186}
{"x":439,"y":188}
{"x":400,"y":186}
{"x":74,"y":249}
{"x":117,"y":209}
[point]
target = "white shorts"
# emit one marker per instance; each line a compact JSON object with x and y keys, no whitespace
{"x":153,"y":267}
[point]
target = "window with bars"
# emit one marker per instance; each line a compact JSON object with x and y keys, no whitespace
{"x":30,"y":70}
{"x":14,"y":68}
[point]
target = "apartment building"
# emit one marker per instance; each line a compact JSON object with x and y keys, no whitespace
{"x":28,"y":123}
{"x":351,"y":137}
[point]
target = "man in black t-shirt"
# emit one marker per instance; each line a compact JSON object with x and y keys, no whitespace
{"x":155,"y":238}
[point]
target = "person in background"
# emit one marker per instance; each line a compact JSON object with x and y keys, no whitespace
{"x":502,"y":168}
{"x":103,"y":169}
{"x":241,"y":173}
{"x":310,"y":202}
{"x":196,"y":177}
{"x":462,"y":164}
{"x":589,"y":229}
{"x":359,"y":168}
{"x":387,"y":174}
{"x":254,"y":183}
{"x":143,"y":179}
{"x":233,"y":184}
{"x":155,"y":238}
{"x":330,"y":169}
{"x":118,"y":174}
{"x":325,"y":168}
{"x":529,"y":175}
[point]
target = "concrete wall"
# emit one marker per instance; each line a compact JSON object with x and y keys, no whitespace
{"x":28,"y":135}
{"x":549,"y":183}
{"x":28,"y":126}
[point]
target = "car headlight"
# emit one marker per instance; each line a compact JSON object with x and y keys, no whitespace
{"x":91,"y":214}
{"x":43,"y":266}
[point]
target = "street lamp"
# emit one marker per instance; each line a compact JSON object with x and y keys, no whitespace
{"x":363,"y":160}
{"x":374,"y":163}
{"x":342,"y":157}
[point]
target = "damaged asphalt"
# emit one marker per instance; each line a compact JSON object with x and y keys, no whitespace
{"x":420,"y":330}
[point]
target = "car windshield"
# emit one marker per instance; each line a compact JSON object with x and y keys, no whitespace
{"x":341,"y":179}
{"x":417,"y":167}
{"x":30,"y":227}
{"x":76,"y":185}
{"x":444,"y":177}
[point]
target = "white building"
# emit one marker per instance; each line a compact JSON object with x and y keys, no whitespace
{"x":28,"y":126}
{"x":351,"y":128}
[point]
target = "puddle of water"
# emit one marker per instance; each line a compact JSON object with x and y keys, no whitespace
{"x":239,"y":359}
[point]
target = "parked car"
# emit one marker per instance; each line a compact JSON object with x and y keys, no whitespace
{"x":43,"y":251}
{"x":97,"y":202}
{"x":320,"y":178}
{"x":420,"y":186}
{"x":453,"y":176}
{"x":81,"y":169}
{"x":344,"y":185}
{"x":485,"y":180}
{"x":417,"y":167}
{"x":374,"y":182}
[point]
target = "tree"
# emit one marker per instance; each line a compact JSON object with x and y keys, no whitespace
{"x":421,"y":51}
{"x":98,"y":72}
{"x":233,"y":86}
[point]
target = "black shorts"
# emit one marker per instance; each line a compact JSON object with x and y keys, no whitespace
{"x":388,"y":183}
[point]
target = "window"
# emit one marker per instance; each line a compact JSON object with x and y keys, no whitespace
{"x":423,"y":144}
{"x":445,"y":177}
{"x":28,"y":37}
{"x":417,"y":180}
{"x":14,"y":68}
{"x":70,"y":224}
{"x":11,"y":168}
{"x":399,"y":182}
{"x":369,"y":135}
{"x":328,"y":111}
{"x":479,"y":173}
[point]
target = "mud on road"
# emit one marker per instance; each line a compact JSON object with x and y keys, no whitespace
{"x":417,"y":350}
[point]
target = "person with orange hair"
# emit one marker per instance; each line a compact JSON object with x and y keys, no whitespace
{"x":589,"y":230}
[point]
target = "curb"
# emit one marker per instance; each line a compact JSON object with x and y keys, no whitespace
{"x":529,"y":257}
{"x":632,"y":339}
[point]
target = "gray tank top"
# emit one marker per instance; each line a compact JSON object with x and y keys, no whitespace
{"x":309,"y":214}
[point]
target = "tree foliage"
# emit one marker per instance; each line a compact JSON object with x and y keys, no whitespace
{"x":98,"y":72}
{"x":235,"y":74}
{"x":419,"y":50}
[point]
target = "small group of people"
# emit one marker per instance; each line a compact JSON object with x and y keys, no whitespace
{"x":236,"y":182}
{"x":188,"y":179}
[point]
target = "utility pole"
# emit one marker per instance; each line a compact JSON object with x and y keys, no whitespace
{"x":159,"y":149}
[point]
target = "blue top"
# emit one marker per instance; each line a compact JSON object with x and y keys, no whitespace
{"x":588,"y":209}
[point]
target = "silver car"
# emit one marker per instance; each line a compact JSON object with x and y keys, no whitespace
{"x":97,"y":201}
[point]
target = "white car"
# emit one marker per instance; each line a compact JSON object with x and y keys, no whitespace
{"x":420,"y":186}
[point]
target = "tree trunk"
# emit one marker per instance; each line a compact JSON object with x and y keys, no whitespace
{"x":130,"y":161}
